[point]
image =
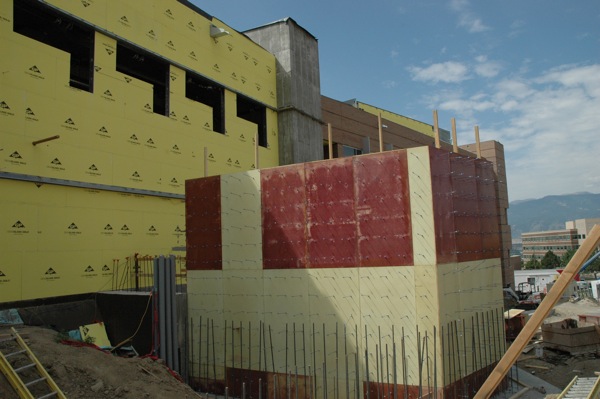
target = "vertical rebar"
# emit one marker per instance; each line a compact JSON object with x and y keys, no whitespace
{"x":367,"y":361}
{"x":192,"y":345}
{"x":272,"y":357}
{"x":200,"y":351}
{"x":232,"y":347}
{"x":294,"y":341}
{"x":207,"y":348}
{"x":394,"y":366}
{"x":380,"y":356}
{"x":304,"y":358}
{"x":214,"y":353}
{"x":377,"y":371}
{"x":225,"y":349}
{"x":367,"y":369}
{"x":356,"y":364}
{"x":346,"y":363}
{"x":264,"y":340}
{"x":249,"y":345}
{"x":460,"y":374}
{"x":404,"y":370}
{"x":314,"y":349}
{"x":260,"y":388}
{"x":443,"y":349}
{"x":286,"y":348}
{"x":427,"y":363}
{"x":337,"y":387}
{"x":260,"y":345}
{"x":419,"y":363}
{"x":324,"y":363}
{"x":243,"y":390}
{"x":241,"y":345}
{"x":435,"y":373}
{"x":387,"y":371}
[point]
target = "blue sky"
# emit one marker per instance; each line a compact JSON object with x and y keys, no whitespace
{"x":526,"y":72}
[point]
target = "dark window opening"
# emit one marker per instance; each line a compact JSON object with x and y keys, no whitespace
{"x":254,"y":112}
{"x":348,"y":151}
{"x":208,"y":93}
{"x":148,"y":68}
{"x":44,"y":24}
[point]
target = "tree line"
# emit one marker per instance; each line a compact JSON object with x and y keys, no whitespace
{"x":552,"y":261}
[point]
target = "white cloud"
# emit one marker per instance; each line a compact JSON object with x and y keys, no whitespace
{"x":466,"y":18}
{"x":486,"y":68}
{"x":394,"y":53}
{"x":447,"y":72}
{"x":549,"y":129}
{"x":389,"y":84}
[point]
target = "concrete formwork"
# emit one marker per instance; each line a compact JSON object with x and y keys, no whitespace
{"x":378,"y":272}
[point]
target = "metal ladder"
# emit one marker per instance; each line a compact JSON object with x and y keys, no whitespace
{"x":24,"y":371}
{"x":580,"y":388}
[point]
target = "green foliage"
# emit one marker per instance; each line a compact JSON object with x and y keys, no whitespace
{"x":550,"y":261}
{"x":533,"y":263}
{"x":566,"y":258}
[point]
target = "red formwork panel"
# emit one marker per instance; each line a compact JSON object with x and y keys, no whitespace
{"x":466,"y":208}
{"x":203,"y":223}
{"x":488,"y":207}
{"x":331,"y":217}
{"x":383,"y":209}
{"x":283,"y":196}
{"x":443,"y":205}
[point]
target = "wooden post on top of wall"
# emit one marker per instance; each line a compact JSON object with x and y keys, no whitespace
{"x":477,"y":144}
{"x":379,"y":124}
{"x":330,"y":140}
{"x":454,"y":139}
{"x":436,"y":130}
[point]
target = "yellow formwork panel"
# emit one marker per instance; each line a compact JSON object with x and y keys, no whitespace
{"x":18,"y":155}
{"x":34,"y":69}
{"x":286,"y":296}
{"x":124,"y":19}
{"x":205,"y":293}
{"x":12,"y":111}
{"x":11,"y":276}
{"x":20,"y":224}
{"x":105,"y":53}
{"x":176,"y":82}
{"x":421,"y":208}
{"x":471,"y":293}
{"x":388,"y":297}
{"x":109,"y":95}
{"x":241,"y":218}
{"x":93,"y":11}
{"x":243,"y":292}
{"x":6,"y":21}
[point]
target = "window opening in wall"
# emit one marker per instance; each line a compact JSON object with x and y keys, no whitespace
{"x":37,"y":21}
{"x":254,"y":112}
{"x":144,"y":66}
{"x":348,"y":151}
{"x":208,"y":93}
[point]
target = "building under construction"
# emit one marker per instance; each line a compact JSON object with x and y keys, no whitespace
{"x":133,"y":129}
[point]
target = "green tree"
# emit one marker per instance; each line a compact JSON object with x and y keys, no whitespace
{"x":550,"y":261}
{"x":533,"y":263}
{"x":566,"y":257}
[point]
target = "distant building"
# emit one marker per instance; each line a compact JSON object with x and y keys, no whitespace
{"x":537,"y":244}
{"x":583,"y":226}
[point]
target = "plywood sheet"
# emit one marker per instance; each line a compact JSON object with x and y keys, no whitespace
{"x":383,"y":209}
{"x":422,"y":210}
{"x":203,"y":224}
{"x":443,"y":208}
{"x":241,"y":221}
{"x":331,"y":216}
{"x":284,"y":217}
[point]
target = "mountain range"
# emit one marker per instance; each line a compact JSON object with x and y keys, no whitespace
{"x":551,"y":212}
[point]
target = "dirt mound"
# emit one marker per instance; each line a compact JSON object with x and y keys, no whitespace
{"x":86,"y":372}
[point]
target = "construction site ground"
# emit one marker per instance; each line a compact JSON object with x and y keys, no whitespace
{"x":86,"y":372}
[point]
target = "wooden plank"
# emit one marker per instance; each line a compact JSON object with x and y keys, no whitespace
{"x":513,"y":352}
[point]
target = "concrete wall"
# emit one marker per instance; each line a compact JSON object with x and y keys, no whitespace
{"x":298,"y":88}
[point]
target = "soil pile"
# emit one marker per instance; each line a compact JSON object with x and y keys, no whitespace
{"x":86,"y":372}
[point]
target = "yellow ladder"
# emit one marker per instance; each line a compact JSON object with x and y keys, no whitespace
{"x":24,"y":371}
